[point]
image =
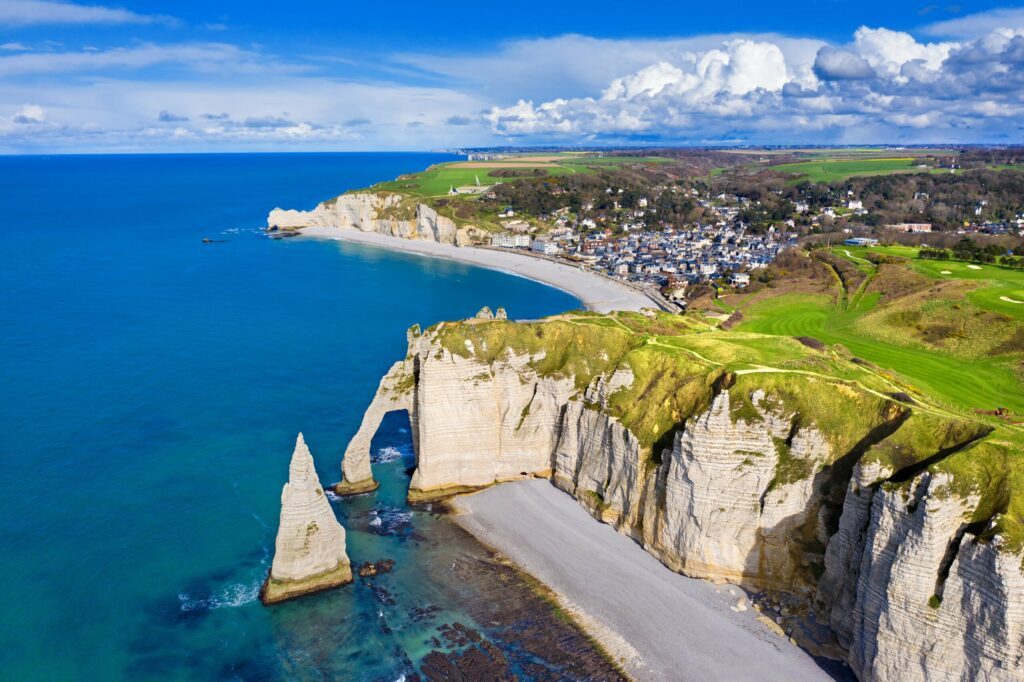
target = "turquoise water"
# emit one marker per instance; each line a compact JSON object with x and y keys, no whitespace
{"x":152,"y":390}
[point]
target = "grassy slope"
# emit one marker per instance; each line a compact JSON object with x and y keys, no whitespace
{"x":958,"y":381}
{"x":678,"y":361}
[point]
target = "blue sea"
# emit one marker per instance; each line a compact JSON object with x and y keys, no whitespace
{"x":152,"y":389}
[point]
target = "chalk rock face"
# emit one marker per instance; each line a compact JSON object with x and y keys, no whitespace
{"x":728,"y":514}
{"x":478,"y":424}
{"x":309,"y":553}
{"x":597,"y":460}
{"x":753,"y":490}
{"x":899,"y":614}
{"x":384,"y":212}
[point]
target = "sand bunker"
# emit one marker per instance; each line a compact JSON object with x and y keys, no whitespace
{"x":946,"y":272}
{"x":1010,"y":300}
{"x":974,"y":267}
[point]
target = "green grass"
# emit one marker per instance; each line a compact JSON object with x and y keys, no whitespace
{"x":830,"y":170}
{"x":438,"y":180}
{"x":979,"y":384}
{"x":997,"y":282}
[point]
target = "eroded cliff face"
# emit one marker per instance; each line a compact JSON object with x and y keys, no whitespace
{"x":384,"y":212}
{"x":881,"y":515}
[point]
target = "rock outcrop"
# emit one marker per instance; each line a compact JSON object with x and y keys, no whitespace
{"x":385,"y":212}
{"x":309,"y":553}
{"x":880,"y":515}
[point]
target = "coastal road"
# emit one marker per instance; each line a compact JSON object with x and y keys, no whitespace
{"x":666,"y":626}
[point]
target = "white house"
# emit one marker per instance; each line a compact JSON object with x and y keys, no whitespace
{"x":511,"y":241}
{"x":545,"y":247}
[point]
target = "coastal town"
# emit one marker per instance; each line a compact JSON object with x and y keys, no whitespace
{"x":721,"y":249}
{"x":633,"y":249}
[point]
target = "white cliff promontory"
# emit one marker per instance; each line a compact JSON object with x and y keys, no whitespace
{"x":765,"y":481}
{"x":384,"y":212}
{"x":309,"y":553}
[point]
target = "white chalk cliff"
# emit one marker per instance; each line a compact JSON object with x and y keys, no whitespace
{"x":384,"y":212}
{"x":759,"y":496}
{"x":309,"y":553}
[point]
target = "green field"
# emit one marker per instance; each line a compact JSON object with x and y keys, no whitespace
{"x":438,"y":180}
{"x":832,"y":170}
{"x":967,"y":382}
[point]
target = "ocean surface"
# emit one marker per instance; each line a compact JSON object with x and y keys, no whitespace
{"x":152,"y":388}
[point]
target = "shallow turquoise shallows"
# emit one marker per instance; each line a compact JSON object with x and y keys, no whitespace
{"x":152,"y":388}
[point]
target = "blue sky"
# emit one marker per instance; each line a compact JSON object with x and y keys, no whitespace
{"x":212,"y":76}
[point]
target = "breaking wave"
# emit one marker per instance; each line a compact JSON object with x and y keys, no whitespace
{"x":230,"y":596}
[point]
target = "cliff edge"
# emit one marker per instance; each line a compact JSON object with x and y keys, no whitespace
{"x":388,"y":213}
{"x":742,"y":458}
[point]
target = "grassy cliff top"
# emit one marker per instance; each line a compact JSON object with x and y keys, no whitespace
{"x":679,"y":363}
{"x":439,"y":179}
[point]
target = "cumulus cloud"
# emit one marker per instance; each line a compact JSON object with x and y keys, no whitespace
{"x":881,"y":82}
{"x":833,"y":64}
{"x":215,"y":117}
{"x":267,"y":122}
{"x":576,"y":65}
{"x":29,"y":114}
{"x":29,"y":12}
{"x":167,"y":117}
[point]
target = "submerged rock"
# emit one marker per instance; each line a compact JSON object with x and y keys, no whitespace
{"x":310,"y":552}
{"x":370,"y":569}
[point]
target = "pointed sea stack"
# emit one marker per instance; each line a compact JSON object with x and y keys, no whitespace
{"x":310,"y":550}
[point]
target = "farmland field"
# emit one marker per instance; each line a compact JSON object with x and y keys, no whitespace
{"x":831,"y":170}
{"x":438,"y":180}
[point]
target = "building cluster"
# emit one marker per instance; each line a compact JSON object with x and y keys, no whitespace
{"x":724,"y":252}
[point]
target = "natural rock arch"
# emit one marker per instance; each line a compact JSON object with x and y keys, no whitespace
{"x":395,"y":392}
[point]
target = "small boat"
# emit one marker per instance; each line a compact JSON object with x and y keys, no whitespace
{"x":207,"y":240}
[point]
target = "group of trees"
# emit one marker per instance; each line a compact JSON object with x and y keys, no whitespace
{"x":969,"y":250}
{"x":944,"y":199}
{"x":587,"y":195}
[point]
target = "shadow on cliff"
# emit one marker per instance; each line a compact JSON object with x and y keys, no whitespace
{"x":798,"y":543}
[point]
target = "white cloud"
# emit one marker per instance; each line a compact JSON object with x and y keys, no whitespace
{"x":14,"y":47}
{"x":890,"y":50}
{"x":978,"y":25}
{"x":836,"y":64}
{"x":575,"y":65}
{"x":881,"y":86}
{"x":28,"y":12}
{"x":883,"y":81}
{"x":275,"y":112}
{"x":29,"y":114}
{"x":201,"y":57}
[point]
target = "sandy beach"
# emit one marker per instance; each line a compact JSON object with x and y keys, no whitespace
{"x":596,"y":292}
{"x":662,"y":625}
